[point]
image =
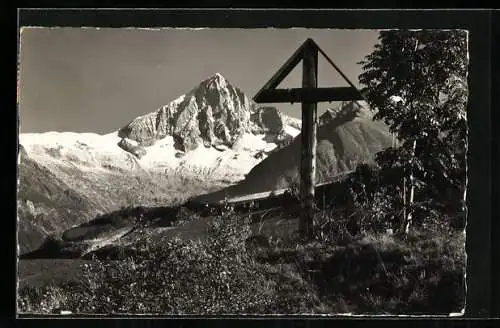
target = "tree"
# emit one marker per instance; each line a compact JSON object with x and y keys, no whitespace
{"x":417,"y":81}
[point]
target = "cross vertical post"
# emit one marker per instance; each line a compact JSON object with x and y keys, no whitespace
{"x":309,"y":96}
{"x":309,"y":142}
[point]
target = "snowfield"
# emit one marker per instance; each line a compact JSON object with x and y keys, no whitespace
{"x":96,"y":153}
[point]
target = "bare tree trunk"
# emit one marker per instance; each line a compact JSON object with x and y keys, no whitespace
{"x":412,"y":192}
{"x":403,"y":221}
{"x":408,"y":201}
{"x":409,"y":214}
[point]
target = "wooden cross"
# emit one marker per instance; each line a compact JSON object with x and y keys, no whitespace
{"x":309,"y":95}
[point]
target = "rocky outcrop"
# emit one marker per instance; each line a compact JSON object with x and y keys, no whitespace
{"x":327,"y":116}
{"x":131,"y":148}
{"x":185,"y":129}
{"x":270,"y":119}
{"x":346,"y":112}
{"x":283,"y":139}
{"x":214,"y":112}
{"x":292,"y":122}
{"x":153,"y":126}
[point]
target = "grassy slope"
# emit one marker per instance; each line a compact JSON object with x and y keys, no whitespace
{"x":368,"y":274}
{"x":40,"y":272}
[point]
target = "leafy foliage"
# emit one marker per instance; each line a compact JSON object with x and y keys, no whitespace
{"x":427,"y":69}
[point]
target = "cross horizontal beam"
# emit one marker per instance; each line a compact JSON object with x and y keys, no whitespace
{"x":304,"y":95}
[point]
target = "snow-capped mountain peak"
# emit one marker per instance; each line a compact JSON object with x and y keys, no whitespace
{"x":214,"y":112}
{"x":213,"y":131}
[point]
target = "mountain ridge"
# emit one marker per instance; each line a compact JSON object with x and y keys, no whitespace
{"x":213,"y":113}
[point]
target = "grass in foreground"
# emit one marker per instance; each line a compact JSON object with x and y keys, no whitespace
{"x":372,"y":273}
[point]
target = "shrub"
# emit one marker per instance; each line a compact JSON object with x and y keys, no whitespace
{"x":177,"y":276}
{"x":184,"y":216}
{"x":41,"y":300}
{"x":334,"y":227}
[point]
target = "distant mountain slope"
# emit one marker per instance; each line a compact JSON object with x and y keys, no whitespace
{"x":346,"y":138}
{"x":47,"y":205}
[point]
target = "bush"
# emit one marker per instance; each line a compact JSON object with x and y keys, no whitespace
{"x":177,"y":276}
{"x":184,"y":216}
{"x":374,"y":199}
{"x":334,"y":227}
{"x":41,"y":300}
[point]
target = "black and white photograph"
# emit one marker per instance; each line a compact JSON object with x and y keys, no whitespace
{"x":239,"y":171}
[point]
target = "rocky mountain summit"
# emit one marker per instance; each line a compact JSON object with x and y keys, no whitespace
{"x":213,"y":114}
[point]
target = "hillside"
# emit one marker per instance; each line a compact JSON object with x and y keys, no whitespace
{"x":345,"y":138}
{"x":46,"y":205}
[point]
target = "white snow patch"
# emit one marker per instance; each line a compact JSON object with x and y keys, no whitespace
{"x":95,"y":152}
{"x":71,"y":140}
{"x":86,"y":151}
{"x":292,"y":131}
{"x":253,"y":142}
{"x":160,"y":155}
{"x":220,"y":147}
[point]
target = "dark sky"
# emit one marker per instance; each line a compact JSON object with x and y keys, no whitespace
{"x":97,"y":80}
